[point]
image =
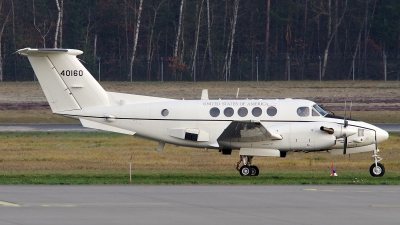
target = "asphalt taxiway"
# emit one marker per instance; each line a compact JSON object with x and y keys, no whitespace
{"x":175,"y":205}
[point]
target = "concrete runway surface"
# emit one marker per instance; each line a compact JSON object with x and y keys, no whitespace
{"x":191,"y":205}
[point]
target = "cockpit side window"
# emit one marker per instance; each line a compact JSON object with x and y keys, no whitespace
{"x":320,"y":110}
{"x":314,"y":113}
{"x":303,"y":111}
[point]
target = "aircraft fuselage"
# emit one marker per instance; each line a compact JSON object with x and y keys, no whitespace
{"x":192,"y":123}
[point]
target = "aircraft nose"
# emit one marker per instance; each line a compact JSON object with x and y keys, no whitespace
{"x":381,"y":135}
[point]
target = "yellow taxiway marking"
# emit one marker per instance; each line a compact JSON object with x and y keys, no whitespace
{"x":9,"y":204}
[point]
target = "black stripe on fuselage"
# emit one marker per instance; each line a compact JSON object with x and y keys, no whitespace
{"x":205,"y":120}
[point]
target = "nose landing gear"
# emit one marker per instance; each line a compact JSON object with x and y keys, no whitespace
{"x":247,"y":168}
{"x":377,"y":169}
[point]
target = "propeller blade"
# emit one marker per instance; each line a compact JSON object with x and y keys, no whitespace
{"x":345,"y":145}
{"x":345,"y":109}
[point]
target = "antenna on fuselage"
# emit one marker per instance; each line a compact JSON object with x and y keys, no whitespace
{"x":237,"y":93}
{"x":204,"y":94}
{"x":351,"y":104}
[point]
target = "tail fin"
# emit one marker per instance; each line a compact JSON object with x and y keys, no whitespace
{"x":66,"y":83}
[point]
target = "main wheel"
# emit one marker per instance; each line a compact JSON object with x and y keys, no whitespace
{"x":377,"y":171}
{"x":244,"y":170}
{"x":254,"y":171}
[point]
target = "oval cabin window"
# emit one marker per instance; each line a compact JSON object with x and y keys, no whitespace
{"x":214,"y":112}
{"x":257,"y":111}
{"x":164,"y":112}
{"x":271,"y":111}
{"x":228,"y":112}
{"x":242,"y":112}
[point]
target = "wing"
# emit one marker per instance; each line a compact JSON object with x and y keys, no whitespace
{"x":247,"y":131}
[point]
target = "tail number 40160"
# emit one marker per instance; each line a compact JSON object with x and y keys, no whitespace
{"x":72,"y":73}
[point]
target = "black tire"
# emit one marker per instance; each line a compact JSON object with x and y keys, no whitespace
{"x":254,"y":171}
{"x":377,"y":171}
{"x":245,"y":171}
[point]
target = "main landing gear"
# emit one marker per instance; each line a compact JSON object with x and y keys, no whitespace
{"x":377,"y":169}
{"x":246,"y":167}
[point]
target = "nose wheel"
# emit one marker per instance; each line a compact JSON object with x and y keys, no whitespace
{"x":377,"y":169}
{"x":245,"y":166}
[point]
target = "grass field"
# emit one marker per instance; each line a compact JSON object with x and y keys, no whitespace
{"x":333,"y":91}
{"x":103,"y":158}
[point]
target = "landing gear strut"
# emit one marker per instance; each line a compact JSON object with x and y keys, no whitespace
{"x":247,"y":168}
{"x":377,"y":169}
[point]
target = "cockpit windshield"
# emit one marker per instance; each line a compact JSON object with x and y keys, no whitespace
{"x":320,"y":110}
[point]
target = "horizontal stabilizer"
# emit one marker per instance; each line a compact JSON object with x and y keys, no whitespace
{"x":104,"y":127}
{"x":125,"y":99}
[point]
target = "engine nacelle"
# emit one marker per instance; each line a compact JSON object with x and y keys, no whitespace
{"x":324,"y":142}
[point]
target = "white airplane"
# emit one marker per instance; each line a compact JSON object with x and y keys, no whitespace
{"x":255,"y":127}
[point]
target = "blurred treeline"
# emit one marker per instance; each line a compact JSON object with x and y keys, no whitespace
{"x":208,"y":40}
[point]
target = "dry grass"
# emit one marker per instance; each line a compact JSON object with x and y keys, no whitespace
{"x":77,"y":152}
{"x":31,"y":91}
{"x":373,"y":117}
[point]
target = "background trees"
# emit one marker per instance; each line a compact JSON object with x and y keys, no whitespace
{"x":208,"y":39}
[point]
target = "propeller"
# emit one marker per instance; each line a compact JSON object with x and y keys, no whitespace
{"x":345,"y":121}
{"x":345,"y":124}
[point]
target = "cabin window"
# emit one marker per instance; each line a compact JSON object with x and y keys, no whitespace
{"x":314,"y":113}
{"x":228,"y":112}
{"x":271,"y":111}
{"x":214,"y":112}
{"x":242,"y":112}
{"x":256,"y":111}
{"x":303,"y":111}
{"x":164,"y":112}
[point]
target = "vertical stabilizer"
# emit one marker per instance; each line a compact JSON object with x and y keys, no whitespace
{"x":66,"y":83}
